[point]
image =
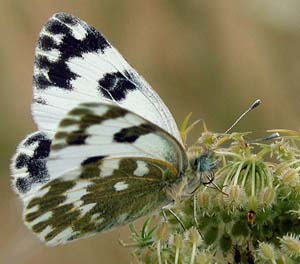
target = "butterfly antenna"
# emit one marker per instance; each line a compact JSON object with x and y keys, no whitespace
{"x":270,"y":137}
{"x":255,"y":104}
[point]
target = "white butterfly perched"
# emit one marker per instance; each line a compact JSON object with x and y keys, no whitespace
{"x":107,"y":148}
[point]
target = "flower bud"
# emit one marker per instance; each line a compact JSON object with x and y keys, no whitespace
{"x":194,"y":235}
{"x":290,"y":244}
{"x":267,"y":196}
{"x":178,"y":241}
{"x":289,"y":177}
{"x":266,"y":251}
{"x":203,"y":199}
{"x":235,"y":196}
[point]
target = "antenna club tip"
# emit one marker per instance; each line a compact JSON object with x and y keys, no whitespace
{"x":275,"y":134}
{"x":256,"y":104}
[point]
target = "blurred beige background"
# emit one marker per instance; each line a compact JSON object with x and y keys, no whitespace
{"x":209,"y":57}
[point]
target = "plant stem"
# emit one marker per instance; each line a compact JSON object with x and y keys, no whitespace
{"x":176,"y":255}
{"x":158,"y":252}
{"x":193,"y":253}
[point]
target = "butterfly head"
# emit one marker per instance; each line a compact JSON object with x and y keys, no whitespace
{"x":203,"y":165}
{"x":204,"y":162}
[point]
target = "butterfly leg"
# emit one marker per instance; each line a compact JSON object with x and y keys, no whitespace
{"x":210,"y":176}
{"x":168,"y":208}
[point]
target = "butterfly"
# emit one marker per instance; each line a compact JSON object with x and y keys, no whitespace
{"x":107,"y":149}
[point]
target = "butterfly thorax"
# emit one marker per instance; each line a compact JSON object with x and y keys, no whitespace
{"x":203,"y":163}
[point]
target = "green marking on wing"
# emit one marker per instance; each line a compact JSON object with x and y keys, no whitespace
{"x":84,"y":131}
{"x":57,"y":217}
{"x":83,"y":118}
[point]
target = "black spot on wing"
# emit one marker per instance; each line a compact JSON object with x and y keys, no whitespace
{"x":67,"y":18}
{"x":58,"y":72}
{"x":56,"y":27}
{"x":22,"y":160}
{"x":70,"y":47}
{"x":41,"y":81}
{"x":23,"y":185}
{"x":131,"y":134}
{"x":92,"y":160}
{"x":116,"y":85}
{"x":46,"y":43}
{"x":34,"y":165}
{"x":40,"y":100}
{"x":34,"y":138}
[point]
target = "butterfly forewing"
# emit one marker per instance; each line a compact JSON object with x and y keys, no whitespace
{"x":74,"y":63}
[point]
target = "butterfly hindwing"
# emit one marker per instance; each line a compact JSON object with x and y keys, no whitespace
{"x":104,"y":193}
{"x":74,"y":63}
